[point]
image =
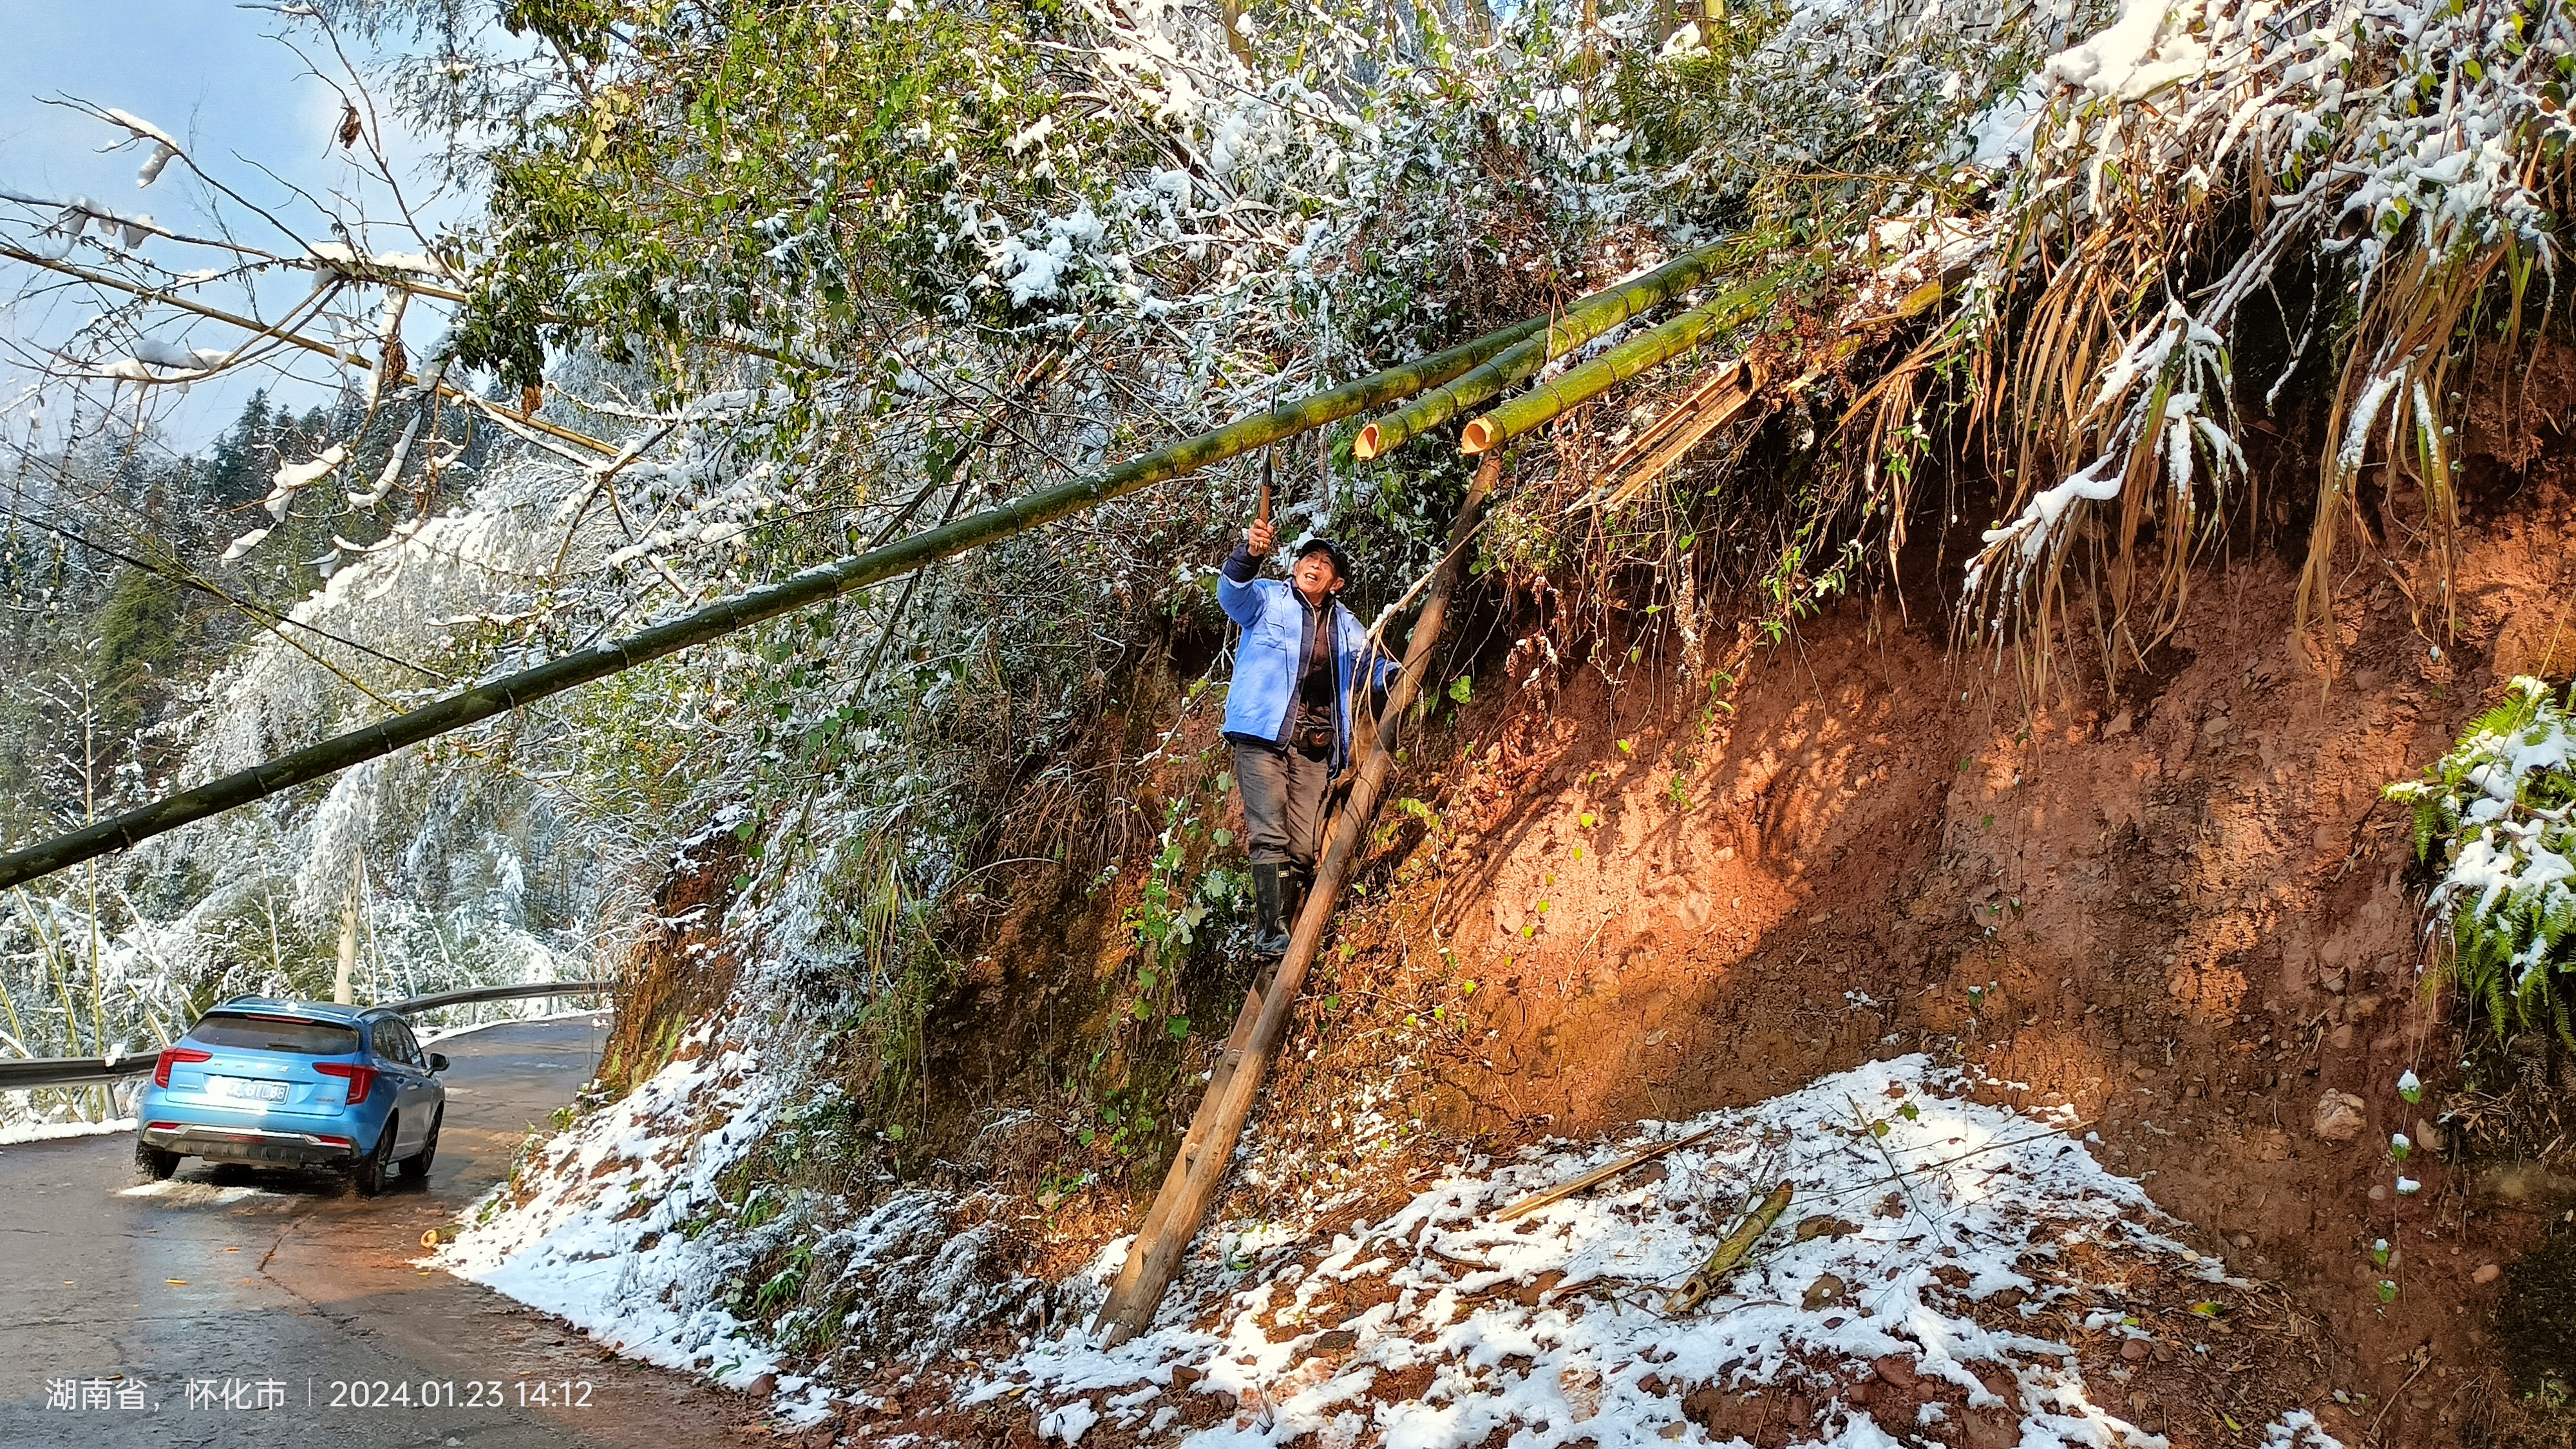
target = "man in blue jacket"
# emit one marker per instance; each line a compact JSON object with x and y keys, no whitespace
{"x":1288,"y":711}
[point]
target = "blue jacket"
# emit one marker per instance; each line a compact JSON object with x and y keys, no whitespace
{"x":1261,"y":702}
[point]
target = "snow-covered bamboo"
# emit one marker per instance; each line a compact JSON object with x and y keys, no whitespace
{"x":1535,"y":408}
{"x":1582,"y":322}
{"x":813,"y":586}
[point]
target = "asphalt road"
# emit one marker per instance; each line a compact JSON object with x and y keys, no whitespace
{"x":286,"y":1287}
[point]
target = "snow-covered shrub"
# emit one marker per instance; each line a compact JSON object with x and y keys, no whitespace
{"x":2497,"y":816}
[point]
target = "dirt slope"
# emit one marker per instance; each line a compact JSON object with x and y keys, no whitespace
{"x":2181,"y":909}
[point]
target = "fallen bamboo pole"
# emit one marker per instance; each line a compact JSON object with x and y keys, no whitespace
{"x":1582,"y":322}
{"x":1199,"y":1164}
{"x":1597,"y":1176}
{"x":798,"y":591}
{"x":1535,"y":408}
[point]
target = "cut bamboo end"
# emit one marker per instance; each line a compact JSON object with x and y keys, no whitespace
{"x":1480,"y":435}
{"x":1364,"y":447}
{"x":1922,"y":299}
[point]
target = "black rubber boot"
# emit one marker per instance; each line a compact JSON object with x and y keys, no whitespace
{"x":1271,"y":937}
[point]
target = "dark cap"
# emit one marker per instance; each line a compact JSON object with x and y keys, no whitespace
{"x":1331,"y":550}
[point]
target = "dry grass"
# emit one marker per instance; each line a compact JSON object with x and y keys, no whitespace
{"x":2395,"y":381}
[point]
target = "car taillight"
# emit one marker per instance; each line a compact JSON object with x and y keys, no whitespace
{"x":172,"y":1056}
{"x":361,"y":1079}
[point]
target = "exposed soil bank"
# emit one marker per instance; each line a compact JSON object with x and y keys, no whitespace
{"x":2182,"y":910}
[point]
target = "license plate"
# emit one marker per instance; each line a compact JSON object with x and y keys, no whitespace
{"x":241,"y":1089}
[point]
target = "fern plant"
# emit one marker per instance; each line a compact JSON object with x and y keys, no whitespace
{"x":2498,"y":814}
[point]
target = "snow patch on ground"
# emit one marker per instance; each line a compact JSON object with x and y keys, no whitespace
{"x":618,"y":1226}
{"x":1931,"y":1242}
{"x":1912,"y":1210}
{"x":596,"y":1015}
{"x":181,"y":1193}
{"x":2298,"y":1429}
{"x":55,"y":1131}
{"x":612,"y":1238}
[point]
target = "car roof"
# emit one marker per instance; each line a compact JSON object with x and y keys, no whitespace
{"x":316,"y":1010}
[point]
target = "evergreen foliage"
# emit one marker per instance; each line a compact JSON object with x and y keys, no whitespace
{"x":2497,"y":816}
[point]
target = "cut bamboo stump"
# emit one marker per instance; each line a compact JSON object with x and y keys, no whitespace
{"x":1198,"y":1166}
{"x":1730,"y":1254}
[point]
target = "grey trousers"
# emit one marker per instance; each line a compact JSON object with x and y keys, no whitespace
{"x":1283,"y":804}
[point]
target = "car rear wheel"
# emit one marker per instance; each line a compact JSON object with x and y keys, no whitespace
{"x":415,"y":1168}
{"x":151,"y":1164}
{"x":377,"y":1167}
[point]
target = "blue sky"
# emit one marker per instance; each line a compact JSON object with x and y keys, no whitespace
{"x":209,"y":73}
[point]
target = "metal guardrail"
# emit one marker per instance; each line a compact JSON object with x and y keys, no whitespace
{"x":72,"y":1071}
{"x":467,"y":997}
{"x":33,"y":1072}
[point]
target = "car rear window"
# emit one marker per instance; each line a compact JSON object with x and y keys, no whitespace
{"x":275,"y":1034}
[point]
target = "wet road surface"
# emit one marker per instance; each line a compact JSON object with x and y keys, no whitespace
{"x":161,"y":1303}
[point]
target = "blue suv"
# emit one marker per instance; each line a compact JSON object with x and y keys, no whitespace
{"x":295,"y":1084}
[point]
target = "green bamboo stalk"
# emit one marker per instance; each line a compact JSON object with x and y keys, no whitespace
{"x":1729,"y":1255}
{"x":1533,"y":409}
{"x":17,"y":1029}
{"x":62,"y":974}
{"x":1582,"y":322}
{"x":813,"y":586}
